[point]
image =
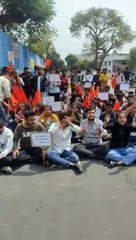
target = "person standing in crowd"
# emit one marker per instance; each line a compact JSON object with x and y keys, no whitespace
{"x":39,"y":82}
{"x":16,"y":80}
{"x":26,"y":76}
{"x":75,"y":77}
{"x":104,"y":77}
{"x":5,"y":92}
{"x":54,"y":87}
{"x":96,"y":82}
{"x":127,"y":74}
{"x":92,"y":131}
{"x":64,"y":82}
{"x":61,"y":153}
{"x":88,"y":76}
{"x":26,"y":153}
{"x":6,"y":146}
{"x":120,"y":153}
{"x":119,"y":78}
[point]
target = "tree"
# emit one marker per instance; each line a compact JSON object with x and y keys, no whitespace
{"x":43,"y":44}
{"x":56,"y":59}
{"x":26,"y":16}
{"x":104,"y":28}
{"x":71,"y":60}
{"x":84,"y":64}
{"x":132,"y":59}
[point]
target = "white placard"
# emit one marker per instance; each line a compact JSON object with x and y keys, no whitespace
{"x":104,"y":95}
{"x":56,"y":106}
{"x":124,"y":87}
{"x":87,"y":85}
{"x":54,"y":78}
{"x":11,"y":58}
{"x":40,"y":139}
{"x":98,"y":113}
{"x":37,"y":118}
{"x":48,"y":100}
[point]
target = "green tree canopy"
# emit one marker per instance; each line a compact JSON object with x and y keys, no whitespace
{"x":132,"y":59}
{"x":42,"y":44}
{"x":56,"y":59}
{"x":84,"y":64}
{"x":71,"y":60}
{"x":26,"y":16}
{"x":105,"y":30}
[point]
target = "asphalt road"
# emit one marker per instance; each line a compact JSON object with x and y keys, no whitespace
{"x":36,"y":204}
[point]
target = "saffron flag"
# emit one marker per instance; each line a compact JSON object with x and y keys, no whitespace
{"x":37,"y":98}
{"x":80,"y":91}
{"x":92,"y":94}
{"x":117,"y":106}
{"x":96,"y":92}
{"x":19,"y":94}
{"x":10,"y":68}
{"x":113,"y":83}
{"x":14,"y":100}
{"x":87,"y":102}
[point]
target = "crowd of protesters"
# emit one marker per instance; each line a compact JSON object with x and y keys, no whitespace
{"x":100,"y":128}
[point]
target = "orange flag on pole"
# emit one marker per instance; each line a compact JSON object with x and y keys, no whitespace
{"x":92,"y":94}
{"x":96,"y":92}
{"x":14,"y":100}
{"x":19,"y":94}
{"x":37,"y":98}
{"x":113,"y":83}
{"x":10,"y":68}
{"x":80,"y":91}
{"x":87,"y":102}
{"x":117,"y":106}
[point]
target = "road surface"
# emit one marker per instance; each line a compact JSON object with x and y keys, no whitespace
{"x":36,"y":204}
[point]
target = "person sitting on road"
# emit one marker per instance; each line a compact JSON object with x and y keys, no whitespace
{"x":108,"y":117}
{"x":6,"y":146}
{"x":23,"y":152}
{"x":48,"y":117}
{"x":92,"y":131}
{"x":120,"y":153}
{"x":61,"y":153}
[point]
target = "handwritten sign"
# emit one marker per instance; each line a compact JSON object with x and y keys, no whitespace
{"x":56,"y":106}
{"x":48,"y":100}
{"x":40,"y":139}
{"x":124,"y":87}
{"x":54,"y":78}
{"x":87,"y":85}
{"x":104,"y":96}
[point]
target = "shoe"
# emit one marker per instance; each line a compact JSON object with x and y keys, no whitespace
{"x":79,"y":167}
{"x":113,"y":164}
{"x":6,"y":170}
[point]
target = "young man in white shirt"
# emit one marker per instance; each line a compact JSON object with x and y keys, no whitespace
{"x":61,"y":153}
{"x":6,"y":146}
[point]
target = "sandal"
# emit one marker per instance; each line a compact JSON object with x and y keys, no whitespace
{"x":113,"y":164}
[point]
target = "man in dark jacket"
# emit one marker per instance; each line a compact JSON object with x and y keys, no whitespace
{"x":39,"y":81}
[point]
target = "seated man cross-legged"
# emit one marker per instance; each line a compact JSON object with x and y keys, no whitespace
{"x":61,"y":153}
{"x":92,"y":132}
{"x":23,"y":151}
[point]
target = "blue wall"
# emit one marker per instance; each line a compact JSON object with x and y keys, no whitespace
{"x":24,"y":59}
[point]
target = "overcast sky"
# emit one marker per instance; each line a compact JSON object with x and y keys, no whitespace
{"x":65,"y":9}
